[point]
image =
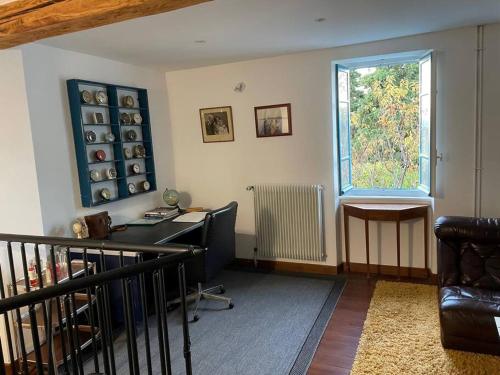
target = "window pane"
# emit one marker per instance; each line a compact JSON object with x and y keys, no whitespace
{"x":343,"y":82}
{"x":425,"y":116}
{"x":424,"y":172}
{"x":425,"y":77}
{"x":344,"y":129}
{"x":345,"y":174}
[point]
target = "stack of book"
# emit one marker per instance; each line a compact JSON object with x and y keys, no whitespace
{"x":162,"y":213}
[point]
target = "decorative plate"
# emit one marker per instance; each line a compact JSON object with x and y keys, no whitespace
{"x":95,"y":175}
{"x":101,"y":97}
{"x":137,"y":118}
{"x":109,"y":137}
{"x":131,"y":135}
{"x":146,"y":185}
{"x":90,"y":136}
{"x":86,"y":97}
{"x":125,"y":118}
{"x":128,"y":101}
{"x":105,"y":194}
{"x":111,"y":172}
{"x":100,"y":155}
{"x":139,"y":151}
{"x":128,"y":153}
{"x":135,"y":168}
{"x":131,"y":188}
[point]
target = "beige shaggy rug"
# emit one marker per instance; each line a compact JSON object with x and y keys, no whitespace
{"x":401,"y":336}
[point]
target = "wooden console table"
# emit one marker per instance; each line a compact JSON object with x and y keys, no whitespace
{"x":385,"y":212}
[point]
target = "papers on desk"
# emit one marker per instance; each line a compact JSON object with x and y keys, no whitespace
{"x":497,"y":321}
{"x":147,"y":221}
{"x":191,"y":217}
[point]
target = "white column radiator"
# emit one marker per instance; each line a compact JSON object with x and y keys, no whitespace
{"x":289,"y":221}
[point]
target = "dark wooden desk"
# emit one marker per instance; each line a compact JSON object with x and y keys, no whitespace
{"x":158,"y":234}
{"x":385,"y":212}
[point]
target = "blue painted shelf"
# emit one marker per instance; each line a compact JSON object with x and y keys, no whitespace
{"x":80,"y":114}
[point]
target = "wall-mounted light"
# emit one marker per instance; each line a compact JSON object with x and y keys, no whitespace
{"x":240,"y":87}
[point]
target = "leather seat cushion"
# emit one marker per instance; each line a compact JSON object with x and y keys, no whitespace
{"x":469,"y":313}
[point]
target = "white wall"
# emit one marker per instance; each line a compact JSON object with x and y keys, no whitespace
{"x":491,"y":123}
{"x":216,"y":173}
{"x":19,"y":197}
{"x":46,"y":71}
{"x":19,"y":200}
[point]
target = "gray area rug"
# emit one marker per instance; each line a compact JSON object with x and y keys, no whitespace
{"x":274,"y":328}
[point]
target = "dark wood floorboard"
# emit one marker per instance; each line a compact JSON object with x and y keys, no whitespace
{"x":338,"y":346}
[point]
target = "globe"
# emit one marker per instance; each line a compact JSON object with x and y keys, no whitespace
{"x":171,"y":197}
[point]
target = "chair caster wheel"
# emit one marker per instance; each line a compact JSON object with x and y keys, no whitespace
{"x":222,"y":290}
{"x":196,"y":318}
{"x":231,"y":305}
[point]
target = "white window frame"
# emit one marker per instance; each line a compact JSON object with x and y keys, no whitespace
{"x":380,"y":60}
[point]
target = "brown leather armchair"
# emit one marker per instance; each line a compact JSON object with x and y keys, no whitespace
{"x":469,"y":283}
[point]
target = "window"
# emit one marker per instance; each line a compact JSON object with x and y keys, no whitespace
{"x":384,"y":125}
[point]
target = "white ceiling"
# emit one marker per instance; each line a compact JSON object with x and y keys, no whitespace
{"x":237,"y":30}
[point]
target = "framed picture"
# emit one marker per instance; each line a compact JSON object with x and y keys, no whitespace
{"x":273,"y":120}
{"x":217,"y":124}
{"x":98,"y":118}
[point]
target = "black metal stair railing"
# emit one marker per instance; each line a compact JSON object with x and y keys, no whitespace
{"x":60,"y":317}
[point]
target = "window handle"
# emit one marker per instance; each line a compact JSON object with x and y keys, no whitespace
{"x":439,"y":156}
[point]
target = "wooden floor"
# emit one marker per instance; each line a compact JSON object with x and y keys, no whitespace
{"x":337,"y":348}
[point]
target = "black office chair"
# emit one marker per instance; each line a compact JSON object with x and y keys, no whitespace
{"x":218,"y":239}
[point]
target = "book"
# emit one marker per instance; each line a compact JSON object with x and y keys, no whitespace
{"x":147,"y":221}
{"x":162,"y":212}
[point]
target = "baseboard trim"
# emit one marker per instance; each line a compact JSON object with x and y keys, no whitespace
{"x":385,"y":270}
{"x":276,"y":265}
{"x":322,"y":269}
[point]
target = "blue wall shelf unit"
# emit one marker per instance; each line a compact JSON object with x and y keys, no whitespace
{"x":130,"y":153}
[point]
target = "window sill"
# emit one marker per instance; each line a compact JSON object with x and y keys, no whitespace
{"x":385,"y":196}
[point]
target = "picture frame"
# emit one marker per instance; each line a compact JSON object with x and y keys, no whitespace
{"x":98,"y":118}
{"x":217,"y":124}
{"x":273,"y":120}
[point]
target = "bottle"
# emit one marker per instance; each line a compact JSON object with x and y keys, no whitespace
{"x":32,"y":274}
{"x":48,"y":271}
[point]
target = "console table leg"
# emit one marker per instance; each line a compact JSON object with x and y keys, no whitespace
{"x":346,"y":238}
{"x":426,"y":243}
{"x":367,"y":239}
{"x":398,"y":239}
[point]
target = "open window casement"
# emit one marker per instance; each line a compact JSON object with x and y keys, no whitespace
{"x":344,"y":129}
{"x":342,"y":89}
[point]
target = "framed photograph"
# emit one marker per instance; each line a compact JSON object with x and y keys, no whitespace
{"x":217,"y":124}
{"x":273,"y":120}
{"x":98,"y":118}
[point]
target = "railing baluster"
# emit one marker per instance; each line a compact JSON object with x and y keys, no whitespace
{"x":142,"y":285}
{"x":107,"y":312}
{"x":55,"y":281}
{"x":7,"y":327}
{"x":76,"y":331}
{"x":185,"y":324}
{"x":32,"y":311}
{"x":91,"y":314}
{"x":158,"y":308}
{"x":102,"y":328}
{"x":131,"y":320}
{"x":163,"y":298}
{"x":18,"y":313}
{"x":69,"y":333}
{"x":126,"y":318}
{"x":50,"y":339}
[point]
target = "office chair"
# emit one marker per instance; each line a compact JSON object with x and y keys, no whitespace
{"x":218,"y":239}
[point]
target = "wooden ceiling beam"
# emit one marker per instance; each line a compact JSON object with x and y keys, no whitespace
{"x":26,"y":21}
